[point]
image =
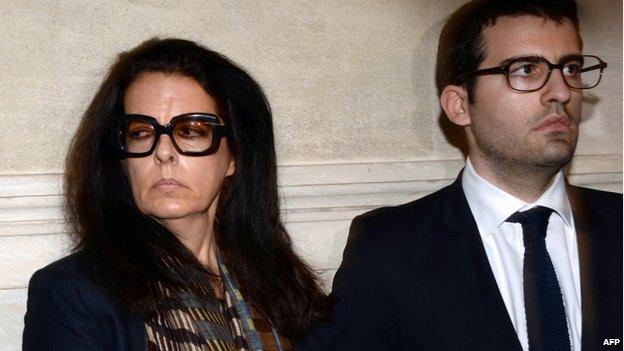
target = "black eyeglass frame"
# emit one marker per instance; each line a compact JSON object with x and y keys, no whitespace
{"x":220,"y":130}
{"x":504,"y":69}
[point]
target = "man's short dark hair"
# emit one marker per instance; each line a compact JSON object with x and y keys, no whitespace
{"x":460,"y":48}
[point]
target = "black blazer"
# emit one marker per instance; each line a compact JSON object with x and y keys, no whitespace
{"x":66,"y":311}
{"x":416,"y":277}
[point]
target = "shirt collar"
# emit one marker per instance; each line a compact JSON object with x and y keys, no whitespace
{"x":491,"y":206}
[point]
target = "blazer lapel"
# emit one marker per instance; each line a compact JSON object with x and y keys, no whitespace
{"x":467,"y":249}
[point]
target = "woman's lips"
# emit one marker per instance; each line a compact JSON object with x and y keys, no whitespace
{"x":167,"y":184}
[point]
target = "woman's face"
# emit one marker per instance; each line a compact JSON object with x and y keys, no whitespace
{"x":165,"y":184}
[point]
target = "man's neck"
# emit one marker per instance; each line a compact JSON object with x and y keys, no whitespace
{"x":524,"y":182}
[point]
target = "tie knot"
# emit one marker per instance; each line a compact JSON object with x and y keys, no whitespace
{"x":535,"y":219}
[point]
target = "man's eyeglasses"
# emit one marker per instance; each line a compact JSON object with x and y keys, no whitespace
{"x":531,"y":73}
{"x":192,"y":134}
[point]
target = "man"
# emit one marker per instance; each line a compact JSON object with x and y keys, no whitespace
{"x":510,"y":256}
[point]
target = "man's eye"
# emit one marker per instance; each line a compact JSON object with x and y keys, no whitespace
{"x":524,"y":69}
{"x":572,"y":69}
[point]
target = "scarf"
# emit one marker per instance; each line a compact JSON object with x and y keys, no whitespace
{"x":188,"y":322}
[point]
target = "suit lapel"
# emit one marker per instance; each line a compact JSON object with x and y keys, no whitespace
{"x":467,"y":249}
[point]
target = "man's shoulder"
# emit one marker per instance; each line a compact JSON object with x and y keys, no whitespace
{"x":598,"y":210}
{"x":599,"y":196}
{"x":380,"y":238}
{"x":425,"y":210}
{"x":603,"y":202}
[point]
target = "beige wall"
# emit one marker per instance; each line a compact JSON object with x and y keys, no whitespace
{"x":349,"y":81}
{"x":351,"y":86}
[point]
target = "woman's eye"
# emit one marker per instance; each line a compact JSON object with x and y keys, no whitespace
{"x":192,"y":130}
{"x":140,"y":134}
{"x":189,"y":132}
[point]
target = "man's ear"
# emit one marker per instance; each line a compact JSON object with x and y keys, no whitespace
{"x":454,"y":102}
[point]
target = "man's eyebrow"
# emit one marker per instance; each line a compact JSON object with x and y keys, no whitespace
{"x":540,"y":57}
{"x":522,"y":57}
{"x":571,"y":57}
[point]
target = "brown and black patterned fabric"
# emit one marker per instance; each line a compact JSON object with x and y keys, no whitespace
{"x":187,"y":322}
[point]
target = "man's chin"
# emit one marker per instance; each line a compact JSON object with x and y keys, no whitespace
{"x":556,"y":155}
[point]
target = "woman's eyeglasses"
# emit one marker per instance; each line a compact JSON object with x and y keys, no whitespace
{"x":192,"y":134}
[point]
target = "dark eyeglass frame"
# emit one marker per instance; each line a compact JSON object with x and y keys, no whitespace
{"x":504,"y":69}
{"x":220,"y":130}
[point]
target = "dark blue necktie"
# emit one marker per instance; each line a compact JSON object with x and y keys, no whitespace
{"x":545,"y":314}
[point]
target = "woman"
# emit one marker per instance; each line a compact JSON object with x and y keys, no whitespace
{"x":172,"y":200}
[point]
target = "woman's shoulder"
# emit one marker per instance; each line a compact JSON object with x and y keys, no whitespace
{"x":68,"y":310}
{"x":60,"y":275}
{"x":71,"y":282}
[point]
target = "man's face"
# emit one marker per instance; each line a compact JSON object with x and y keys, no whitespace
{"x":534,"y":129}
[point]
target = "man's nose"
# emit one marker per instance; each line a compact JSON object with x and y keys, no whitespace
{"x":556,"y":88}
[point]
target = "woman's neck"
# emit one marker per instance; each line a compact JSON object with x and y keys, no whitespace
{"x":196,"y":233}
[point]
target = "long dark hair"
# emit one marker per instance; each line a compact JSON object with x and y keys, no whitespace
{"x":133,"y":251}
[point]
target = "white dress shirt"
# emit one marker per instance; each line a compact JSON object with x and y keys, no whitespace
{"x":503,"y":242}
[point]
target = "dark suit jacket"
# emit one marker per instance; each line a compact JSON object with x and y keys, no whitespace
{"x":416,"y":277}
{"x":67,"y":312}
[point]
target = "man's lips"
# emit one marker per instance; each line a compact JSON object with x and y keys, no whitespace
{"x":167,"y":184}
{"x":554,"y":123}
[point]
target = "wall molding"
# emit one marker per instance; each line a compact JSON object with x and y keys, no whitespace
{"x":30,"y":204}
